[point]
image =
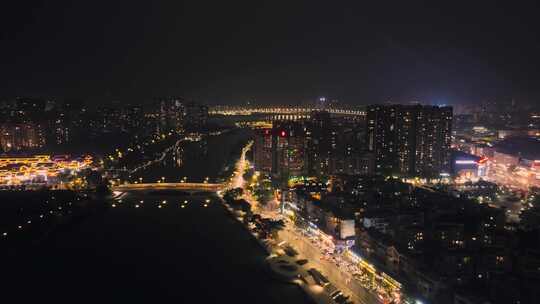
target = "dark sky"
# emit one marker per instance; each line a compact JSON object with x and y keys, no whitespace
{"x":275,"y":51}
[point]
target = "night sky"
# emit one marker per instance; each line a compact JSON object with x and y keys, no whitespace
{"x":275,"y":51}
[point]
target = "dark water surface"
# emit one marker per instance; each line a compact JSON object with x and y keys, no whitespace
{"x":124,"y":254}
{"x":194,"y":254}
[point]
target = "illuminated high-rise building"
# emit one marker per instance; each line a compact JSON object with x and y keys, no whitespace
{"x":262,"y":150}
{"x":410,"y":140}
{"x":109,"y":119}
{"x":320,"y":142}
{"x":133,"y":118}
{"x":171,"y":114}
{"x":20,"y":136}
{"x":196,"y":116}
{"x":280,"y":151}
{"x":288,"y":149}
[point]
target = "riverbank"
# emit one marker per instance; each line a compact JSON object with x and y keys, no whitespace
{"x":276,"y":256}
{"x":270,"y":251}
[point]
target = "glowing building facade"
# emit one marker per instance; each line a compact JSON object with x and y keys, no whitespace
{"x":41,"y":169}
{"x":410,"y":140}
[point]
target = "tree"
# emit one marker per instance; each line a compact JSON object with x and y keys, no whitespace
{"x":245,"y":207}
{"x":103,"y":188}
{"x":263,"y":192}
{"x":263,"y":196}
{"x":534,"y":197}
{"x":248,"y":174}
{"x":274,"y":227}
{"x":93,"y":178}
{"x":241,"y":204}
{"x":232,"y":194}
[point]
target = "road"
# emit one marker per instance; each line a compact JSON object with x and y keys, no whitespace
{"x":241,"y":166}
{"x":519,"y":178}
{"x":340,"y":278}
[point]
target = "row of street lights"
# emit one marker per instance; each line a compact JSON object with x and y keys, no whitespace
{"x":162,"y":180}
{"x":160,"y":205}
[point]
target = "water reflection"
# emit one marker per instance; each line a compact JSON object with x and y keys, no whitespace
{"x":197,"y":158}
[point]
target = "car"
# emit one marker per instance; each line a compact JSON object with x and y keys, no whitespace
{"x":282,"y":262}
{"x":334,"y":294}
{"x":290,"y":251}
{"x":341,"y":298}
{"x":319,"y":278}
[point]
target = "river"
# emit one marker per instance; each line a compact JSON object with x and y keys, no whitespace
{"x":212,"y":156}
{"x":139,"y":252}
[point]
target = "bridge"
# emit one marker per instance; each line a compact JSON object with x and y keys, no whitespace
{"x":171,"y":186}
{"x":285,"y":110}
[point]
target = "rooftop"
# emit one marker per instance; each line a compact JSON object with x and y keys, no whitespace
{"x":525,"y":147}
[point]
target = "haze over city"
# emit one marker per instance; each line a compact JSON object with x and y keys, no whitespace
{"x":270,"y":52}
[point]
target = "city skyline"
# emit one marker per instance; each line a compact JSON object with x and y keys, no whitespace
{"x":270,"y":152}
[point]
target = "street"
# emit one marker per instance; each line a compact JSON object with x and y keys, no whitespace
{"x":342,"y":280}
{"x":336,"y":268}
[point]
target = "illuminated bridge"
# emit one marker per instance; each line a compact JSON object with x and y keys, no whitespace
{"x":285,"y":110}
{"x":171,"y":186}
